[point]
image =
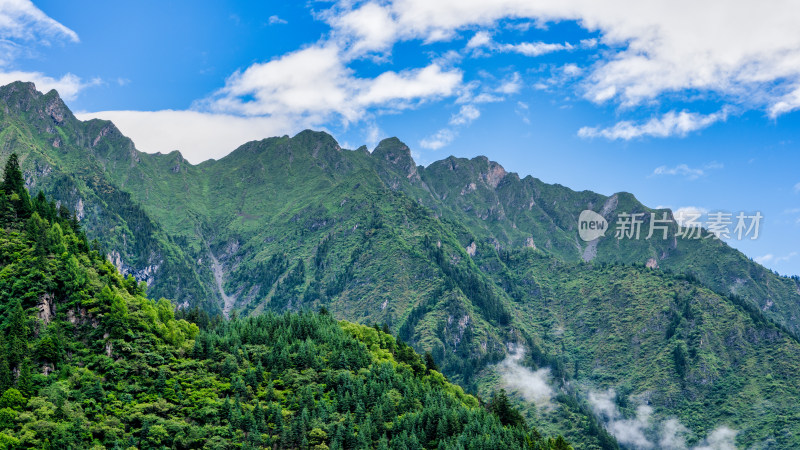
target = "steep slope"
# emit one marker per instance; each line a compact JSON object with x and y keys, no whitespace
{"x":119,"y":371}
{"x":68,"y":159}
{"x":469,"y":262}
{"x":508,"y":212}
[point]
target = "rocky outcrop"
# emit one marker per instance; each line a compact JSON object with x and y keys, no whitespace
{"x":46,"y":308}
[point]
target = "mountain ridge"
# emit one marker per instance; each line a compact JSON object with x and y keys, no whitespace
{"x":461,"y":258}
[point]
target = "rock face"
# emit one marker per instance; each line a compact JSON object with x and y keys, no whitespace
{"x":398,"y":155}
{"x":146,"y":273}
{"x":45,"y":307}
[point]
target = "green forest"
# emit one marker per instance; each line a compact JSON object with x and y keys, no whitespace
{"x":87,"y":360}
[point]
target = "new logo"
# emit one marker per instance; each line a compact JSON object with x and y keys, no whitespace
{"x":591,"y":225}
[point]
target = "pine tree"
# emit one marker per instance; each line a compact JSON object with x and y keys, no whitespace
{"x":501,"y":406}
{"x":12,"y":176}
{"x":17,"y":333}
{"x":5,"y":372}
{"x":14,"y":187}
{"x":25,"y":379}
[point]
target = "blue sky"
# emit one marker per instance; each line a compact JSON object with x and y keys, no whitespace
{"x":684,"y":105}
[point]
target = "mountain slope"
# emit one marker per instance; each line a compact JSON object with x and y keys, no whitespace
{"x":67,"y":158}
{"x":468,"y":262}
{"x":118,"y":370}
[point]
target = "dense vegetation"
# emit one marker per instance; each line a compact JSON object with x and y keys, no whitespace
{"x":88,"y":361}
{"x":459,"y":259}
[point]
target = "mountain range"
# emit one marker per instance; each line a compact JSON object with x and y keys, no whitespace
{"x":638,"y":342}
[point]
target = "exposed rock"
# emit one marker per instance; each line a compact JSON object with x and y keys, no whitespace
{"x":469,"y":188}
{"x":495,"y":174}
{"x":105,"y":131}
{"x":79,"y":212}
{"x":146,"y":273}
{"x":45,"y":307}
{"x":590,"y":252}
{"x":398,"y":154}
{"x":529,"y":243}
{"x":652,"y":263}
{"x":56,"y":109}
{"x":610,"y":206}
{"x":471,"y":249}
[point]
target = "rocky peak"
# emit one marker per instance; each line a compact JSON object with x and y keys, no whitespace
{"x":395,"y":152}
{"x":316,"y":141}
{"x":22,"y":97}
{"x":494,"y":174}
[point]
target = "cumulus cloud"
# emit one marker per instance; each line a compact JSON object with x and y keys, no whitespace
{"x":276,"y":20}
{"x":21,"y":20}
{"x":642,"y":432}
{"x":534,"y":386}
{"x":510,"y":85}
{"x":439,"y":139}
{"x":740,"y":53}
{"x":465,"y":115}
{"x":68,"y":86}
{"x":480,"y":39}
{"x":23,"y":27}
{"x":315,"y":83}
{"x":742,"y":50}
{"x":198,"y":135}
{"x":445,"y":136}
{"x":669,"y":124}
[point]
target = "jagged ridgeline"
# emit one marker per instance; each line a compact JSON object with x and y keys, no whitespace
{"x":461,"y":259}
{"x":88,"y":361}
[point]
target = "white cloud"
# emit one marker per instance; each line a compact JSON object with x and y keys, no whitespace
{"x":466,"y":115}
{"x":21,"y":20}
{"x":511,"y":85}
{"x":796,"y":188}
{"x":534,"y":48}
{"x":771,"y":258}
{"x":643,"y":432}
{"x":23,"y":26}
{"x":722,"y":438}
{"x":198,"y":136}
{"x":67,"y":86}
{"x":629,"y":432}
{"x":439,"y":139}
{"x":742,"y":50}
{"x":680,"y":169}
{"x":315,"y":83}
{"x":426,"y":83}
{"x":763,"y":259}
{"x":483,"y":39}
{"x":534,"y":386}
{"x":480,"y":39}
{"x":684,"y":170}
{"x":368,"y":28}
{"x":669,"y":124}
{"x":571,"y":70}
{"x":275,"y":20}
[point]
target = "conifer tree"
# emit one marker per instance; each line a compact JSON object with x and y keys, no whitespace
{"x":17,"y":333}
{"x":14,"y":186}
